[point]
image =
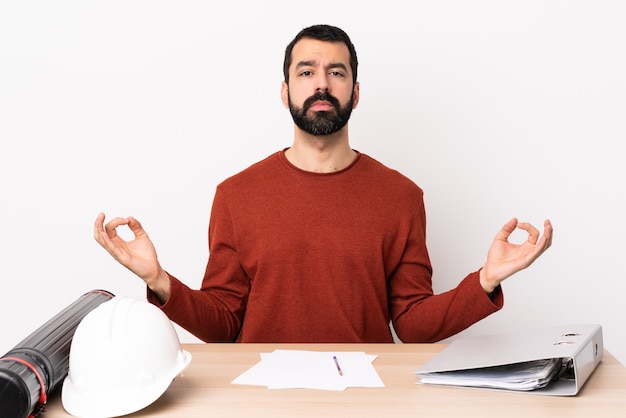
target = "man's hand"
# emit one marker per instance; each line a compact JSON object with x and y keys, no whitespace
{"x":137,"y":255}
{"x":505,"y":258}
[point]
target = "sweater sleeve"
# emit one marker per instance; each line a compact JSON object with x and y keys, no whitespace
{"x":418,"y":314}
{"x":215,"y":312}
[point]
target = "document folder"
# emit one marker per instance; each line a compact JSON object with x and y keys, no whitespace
{"x":495,"y":361}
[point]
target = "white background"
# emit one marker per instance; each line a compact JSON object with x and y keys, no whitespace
{"x":496,"y":109}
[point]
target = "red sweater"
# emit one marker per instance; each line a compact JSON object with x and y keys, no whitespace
{"x":297,"y":256}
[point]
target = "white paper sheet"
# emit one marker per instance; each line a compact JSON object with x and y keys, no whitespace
{"x":282,"y":369}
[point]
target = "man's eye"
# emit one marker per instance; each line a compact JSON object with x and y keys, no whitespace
{"x":336,"y":73}
{"x":305,"y":73}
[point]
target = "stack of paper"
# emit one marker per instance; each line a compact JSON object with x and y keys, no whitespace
{"x":283,"y":369}
{"x":529,"y":375}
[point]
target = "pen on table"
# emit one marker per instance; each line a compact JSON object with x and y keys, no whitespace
{"x":338,"y":367}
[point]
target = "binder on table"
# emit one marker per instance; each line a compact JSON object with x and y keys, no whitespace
{"x":548,"y":361}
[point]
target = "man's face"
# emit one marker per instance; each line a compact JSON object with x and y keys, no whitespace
{"x":320,"y":94}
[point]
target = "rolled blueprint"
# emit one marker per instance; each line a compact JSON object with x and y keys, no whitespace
{"x":37,"y":366}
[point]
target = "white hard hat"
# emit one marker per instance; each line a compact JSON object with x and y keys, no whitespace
{"x":123,"y":357}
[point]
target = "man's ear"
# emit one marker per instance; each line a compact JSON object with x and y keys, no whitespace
{"x":284,"y":94}
{"x":355,"y":94}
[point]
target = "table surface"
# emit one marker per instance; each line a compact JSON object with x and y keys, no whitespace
{"x":205,"y":390}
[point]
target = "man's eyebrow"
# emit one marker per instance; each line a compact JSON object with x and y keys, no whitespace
{"x":305,"y":64}
{"x":313,"y":63}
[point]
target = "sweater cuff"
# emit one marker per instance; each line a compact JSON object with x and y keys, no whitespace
{"x":496,"y":298}
{"x":154,"y":299}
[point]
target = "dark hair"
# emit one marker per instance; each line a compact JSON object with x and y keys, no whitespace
{"x":325,"y":33}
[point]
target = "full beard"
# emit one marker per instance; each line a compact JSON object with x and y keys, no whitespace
{"x":324,"y":122}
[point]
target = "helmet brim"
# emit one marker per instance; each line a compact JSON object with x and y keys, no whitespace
{"x":123,"y":401}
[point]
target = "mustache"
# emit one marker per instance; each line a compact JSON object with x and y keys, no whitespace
{"x":321,"y":96}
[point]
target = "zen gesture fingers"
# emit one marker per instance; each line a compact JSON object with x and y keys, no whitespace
{"x":138,"y":255}
{"x":540,"y":245}
{"x":506,"y":258}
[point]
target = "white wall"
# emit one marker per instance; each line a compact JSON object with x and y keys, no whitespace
{"x":497,"y":109}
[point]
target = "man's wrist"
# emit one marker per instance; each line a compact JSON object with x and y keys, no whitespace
{"x":485,"y":284}
{"x":161,"y":286}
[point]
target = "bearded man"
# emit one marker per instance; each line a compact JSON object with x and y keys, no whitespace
{"x":319,"y":242}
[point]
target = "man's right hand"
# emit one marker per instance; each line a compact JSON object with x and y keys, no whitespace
{"x":137,"y":255}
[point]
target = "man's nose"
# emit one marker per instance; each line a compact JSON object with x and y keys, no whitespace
{"x":321,"y":83}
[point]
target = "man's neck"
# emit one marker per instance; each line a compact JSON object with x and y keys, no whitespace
{"x":321,"y":154}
